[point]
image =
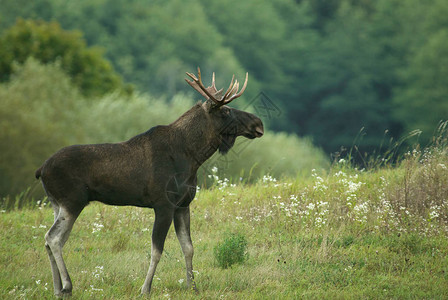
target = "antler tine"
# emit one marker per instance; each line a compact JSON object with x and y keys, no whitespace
{"x":241,"y":92}
{"x":194,"y":85}
{"x":233,"y":91}
{"x":226,"y":94}
{"x":199,"y":76}
{"x":211,"y":93}
{"x":218,"y":93}
{"x":210,"y":96}
{"x":192,"y":76}
{"x":235,"y":88}
{"x":197,"y":85}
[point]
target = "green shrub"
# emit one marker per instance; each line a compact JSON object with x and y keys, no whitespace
{"x":37,"y":117}
{"x":49,"y":43}
{"x":231,"y":251}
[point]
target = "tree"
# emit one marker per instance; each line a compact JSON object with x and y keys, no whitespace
{"x":37,"y":118}
{"x":47,"y":43}
{"x":331,"y":66}
{"x":153,"y":43}
{"x":345,"y":87}
{"x":421,"y":99}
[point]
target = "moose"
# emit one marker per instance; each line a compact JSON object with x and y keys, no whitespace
{"x":155,"y":169}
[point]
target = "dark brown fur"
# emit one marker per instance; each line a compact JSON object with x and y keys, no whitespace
{"x":155,"y":169}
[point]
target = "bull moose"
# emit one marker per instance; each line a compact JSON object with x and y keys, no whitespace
{"x":155,"y":169}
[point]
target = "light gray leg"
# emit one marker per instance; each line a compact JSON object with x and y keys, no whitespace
{"x":182,"y":226}
{"x":57,"y":285}
{"x":55,"y":209}
{"x":55,"y":238}
{"x":161,"y":226}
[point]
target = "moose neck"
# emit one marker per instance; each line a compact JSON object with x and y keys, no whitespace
{"x":194,"y":130}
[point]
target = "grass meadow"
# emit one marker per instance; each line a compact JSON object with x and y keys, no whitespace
{"x":341,"y":233}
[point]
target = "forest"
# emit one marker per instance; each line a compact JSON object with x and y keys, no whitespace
{"x":344,"y":196}
{"x":323,"y":75}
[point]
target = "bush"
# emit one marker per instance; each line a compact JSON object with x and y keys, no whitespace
{"x":232,"y":250}
{"x":49,"y":43}
{"x":37,"y":117}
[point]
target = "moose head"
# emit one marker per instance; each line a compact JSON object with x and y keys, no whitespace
{"x":228,"y":123}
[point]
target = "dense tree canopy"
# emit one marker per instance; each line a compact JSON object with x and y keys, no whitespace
{"x":331,"y":67}
{"x":48,"y":43}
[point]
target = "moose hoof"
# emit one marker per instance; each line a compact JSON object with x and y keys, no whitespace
{"x":145,"y":292}
{"x":64,"y":294}
{"x":144,"y":295}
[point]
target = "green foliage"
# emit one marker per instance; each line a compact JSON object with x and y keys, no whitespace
{"x":36,"y":119}
{"x":333,"y":67}
{"x":47,"y":43}
{"x":232,"y":250}
{"x":144,"y":49}
{"x":424,"y":101}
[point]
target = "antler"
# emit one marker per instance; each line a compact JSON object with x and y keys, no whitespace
{"x":212,"y":93}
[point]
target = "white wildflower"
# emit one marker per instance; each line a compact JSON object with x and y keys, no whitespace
{"x":95,"y":289}
{"x":311,"y":206}
{"x":97,"y":227}
{"x":98,"y":271}
{"x":268,"y":178}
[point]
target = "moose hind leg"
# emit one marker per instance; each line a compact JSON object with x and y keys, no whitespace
{"x":182,"y":226}
{"x":54,"y":268}
{"x":162,"y":224}
{"x":55,"y":239}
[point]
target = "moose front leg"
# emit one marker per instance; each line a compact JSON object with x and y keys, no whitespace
{"x":162,"y":224}
{"x":182,"y":226}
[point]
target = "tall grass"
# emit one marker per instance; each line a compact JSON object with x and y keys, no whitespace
{"x":411,"y":197}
